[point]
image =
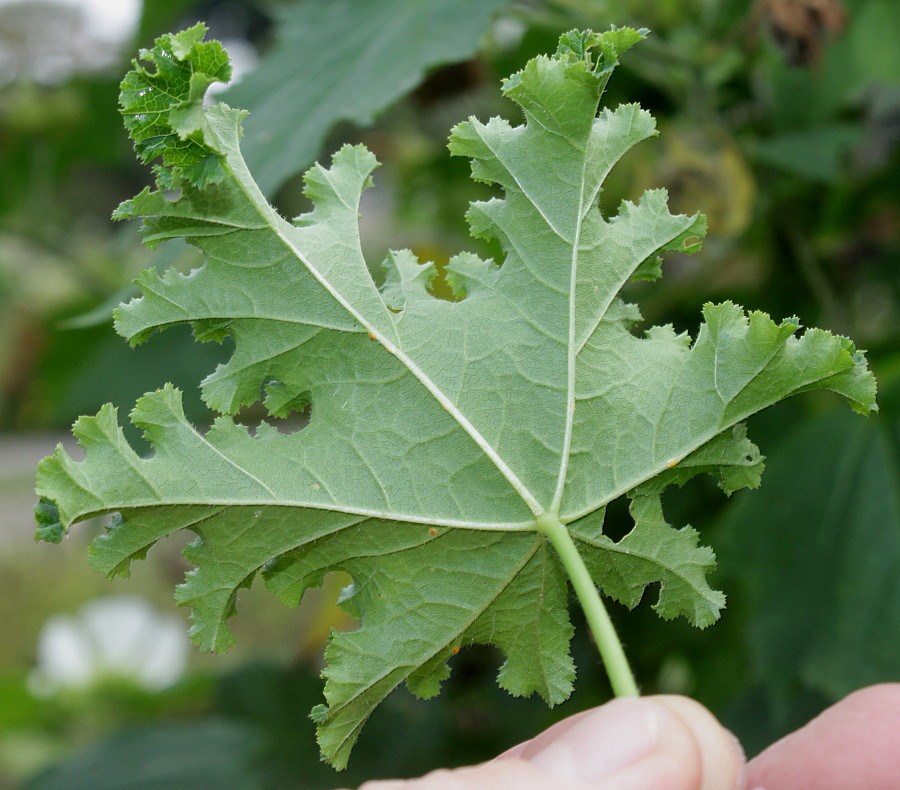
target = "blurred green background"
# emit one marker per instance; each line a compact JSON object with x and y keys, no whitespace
{"x":780,"y":119}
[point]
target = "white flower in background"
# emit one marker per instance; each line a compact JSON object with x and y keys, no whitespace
{"x":507,"y":31}
{"x":120,"y":637}
{"x":48,"y":41}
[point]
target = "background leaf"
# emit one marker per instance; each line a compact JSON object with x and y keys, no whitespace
{"x":816,"y":559}
{"x":347,"y":73}
{"x":213,"y":755}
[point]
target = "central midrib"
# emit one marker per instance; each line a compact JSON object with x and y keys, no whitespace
{"x":570,"y":346}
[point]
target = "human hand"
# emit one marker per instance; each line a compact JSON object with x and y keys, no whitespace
{"x":673,"y":743}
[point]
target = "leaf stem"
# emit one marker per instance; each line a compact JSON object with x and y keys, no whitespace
{"x":608,"y":643}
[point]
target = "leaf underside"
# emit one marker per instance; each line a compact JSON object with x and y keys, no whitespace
{"x":438,"y":430}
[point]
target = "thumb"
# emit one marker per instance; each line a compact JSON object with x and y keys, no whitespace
{"x":652,"y":743}
{"x":657,"y":743}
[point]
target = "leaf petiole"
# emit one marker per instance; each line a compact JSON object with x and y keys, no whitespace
{"x":620,"y":675}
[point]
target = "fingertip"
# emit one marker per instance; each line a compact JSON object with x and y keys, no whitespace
{"x":721,"y":762}
{"x":664,"y":743}
{"x":651,"y":743}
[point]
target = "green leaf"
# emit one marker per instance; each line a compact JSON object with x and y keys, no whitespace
{"x":442,"y":436}
{"x":816,"y":153}
{"x":323,"y":70}
{"x":162,"y":105}
{"x":815,"y":556}
{"x":49,"y":528}
{"x":205,"y":755}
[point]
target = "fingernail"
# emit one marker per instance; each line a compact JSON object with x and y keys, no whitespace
{"x":608,"y":740}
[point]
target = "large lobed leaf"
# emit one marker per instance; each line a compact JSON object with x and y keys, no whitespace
{"x":439,"y":431}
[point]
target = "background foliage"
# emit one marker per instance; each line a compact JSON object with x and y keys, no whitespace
{"x":780,"y":120}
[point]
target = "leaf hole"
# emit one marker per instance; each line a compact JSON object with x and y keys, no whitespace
{"x":618,"y":522}
{"x":290,"y":418}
